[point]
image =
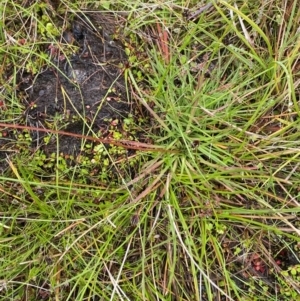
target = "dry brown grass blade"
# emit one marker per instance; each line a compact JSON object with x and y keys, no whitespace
{"x":147,"y":171}
{"x":163,"y":42}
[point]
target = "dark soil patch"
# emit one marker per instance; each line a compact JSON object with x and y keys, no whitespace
{"x":82,"y":91}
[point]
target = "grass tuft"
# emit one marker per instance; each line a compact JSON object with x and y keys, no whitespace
{"x":201,"y":202}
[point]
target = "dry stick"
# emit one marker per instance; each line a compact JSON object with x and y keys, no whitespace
{"x":128,"y":144}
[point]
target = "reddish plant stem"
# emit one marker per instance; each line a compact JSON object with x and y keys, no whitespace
{"x":128,"y":144}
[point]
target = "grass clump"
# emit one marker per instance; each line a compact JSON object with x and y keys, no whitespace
{"x":208,"y":209}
